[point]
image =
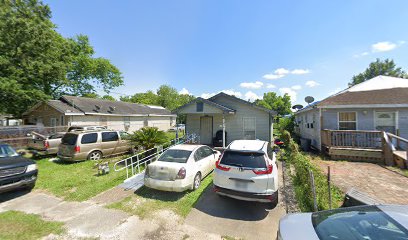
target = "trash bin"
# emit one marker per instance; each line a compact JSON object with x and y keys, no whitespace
{"x":305,"y":144}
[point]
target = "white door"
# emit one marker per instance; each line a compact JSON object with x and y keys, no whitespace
{"x":206,"y":130}
{"x":386,"y":121}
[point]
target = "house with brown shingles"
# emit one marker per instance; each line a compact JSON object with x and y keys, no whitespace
{"x":380,"y":103}
{"x":71,"y":110}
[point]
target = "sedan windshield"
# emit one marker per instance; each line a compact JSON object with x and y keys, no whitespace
{"x":357,"y":223}
{"x":175,"y":155}
{"x":7,"y":151}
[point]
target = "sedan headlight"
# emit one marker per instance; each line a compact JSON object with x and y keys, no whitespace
{"x":31,"y":167}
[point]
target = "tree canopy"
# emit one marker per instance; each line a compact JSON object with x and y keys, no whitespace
{"x":379,"y":67}
{"x":166,"y":96}
{"x":38,"y":63}
{"x":280,"y":104}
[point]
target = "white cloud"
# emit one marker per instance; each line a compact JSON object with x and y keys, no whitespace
{"x":207,"y":95}
{"x":335,"y":91}
{"x":383,"y":46}
{"x":296,"y":87}
{"x":270,"y":86}
{"x":290,"y":92}
{"x":361,"y":54}
{"x":252,"y":85}
{"x":184,"y":91}
{"x":312,"y":83}
{"x":281,"y":71}
{"x":272,"y":76}
{"x":251,"y":96}
{"x":300,"y":71}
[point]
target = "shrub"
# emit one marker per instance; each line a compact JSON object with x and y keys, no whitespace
{"x":148,"y":137}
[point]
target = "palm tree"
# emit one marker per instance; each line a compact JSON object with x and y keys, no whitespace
{"x":148,"y":137}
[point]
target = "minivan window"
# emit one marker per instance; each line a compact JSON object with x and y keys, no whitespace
{"x":109,"y":136}
{"x":244,"y":159}
{"x":89,"y":138}
{"x":69,"y":139}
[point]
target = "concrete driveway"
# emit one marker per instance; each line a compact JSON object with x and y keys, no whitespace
{"x":234,"y":218}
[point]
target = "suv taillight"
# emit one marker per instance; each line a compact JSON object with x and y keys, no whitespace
{"x":46,"y":144}
{"x":268,"y":170}
{"x":77,"y":149}
{"x":181,"y":173}
{"x":218,"y":166}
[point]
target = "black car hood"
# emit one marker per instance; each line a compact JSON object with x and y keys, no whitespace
{"x":17,"y":161}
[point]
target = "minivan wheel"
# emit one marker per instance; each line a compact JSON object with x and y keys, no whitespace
{"x":95,"y":155}
{"x":197,"y":181}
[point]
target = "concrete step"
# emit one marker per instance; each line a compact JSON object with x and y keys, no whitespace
{"x":133,"y":183}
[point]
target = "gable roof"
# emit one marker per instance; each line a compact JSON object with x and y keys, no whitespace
{"x":107,"y":107}
{"x":206,"y":101}
{"x":62,"y":107}
{"x":233,"y":98}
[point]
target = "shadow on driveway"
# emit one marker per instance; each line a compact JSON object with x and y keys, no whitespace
{"x":7,"y":196}
{"x":224,"y":207}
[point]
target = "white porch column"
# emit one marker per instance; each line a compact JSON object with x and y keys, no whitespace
{"x":223,"y":131}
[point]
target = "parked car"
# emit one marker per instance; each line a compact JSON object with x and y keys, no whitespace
{"x":93,"y":145}
{"x":15,"y":171}
{"x":181,"y":167}
{"x":181,"y":128}
{"x":246,"y":172}
{"x":45,"y":145}
{"x":85,"y":128}
{"x":373,"y":222}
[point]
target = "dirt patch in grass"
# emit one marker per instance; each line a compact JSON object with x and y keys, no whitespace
{"x":18,"y":225}
{"x":76,"y":181}
{"x":145,"y":202}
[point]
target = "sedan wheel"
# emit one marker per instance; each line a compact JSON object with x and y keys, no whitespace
{"x":94,"y":156}
{"x":197,"y":181}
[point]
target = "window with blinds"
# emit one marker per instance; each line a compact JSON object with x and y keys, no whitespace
{"x":347,"y":121}
{"x":249,"y":128}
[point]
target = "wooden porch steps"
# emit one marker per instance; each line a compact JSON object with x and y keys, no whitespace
{"x":400,"y":158}
{"x":356,"y":154}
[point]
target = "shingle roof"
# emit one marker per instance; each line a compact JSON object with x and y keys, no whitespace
{"x":214,"y":104}
{"x":100,"y":106}
{"x":241,"y":101}
{"x":384,"y":96}
{"x":62,"y":106}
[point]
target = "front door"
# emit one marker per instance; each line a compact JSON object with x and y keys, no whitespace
{"x":386,"y":121}
{"x":206,"y":129}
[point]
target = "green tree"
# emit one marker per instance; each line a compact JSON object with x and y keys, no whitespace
{"x":149,"y":98}
{"x":148,"y":137}
{"x":280,"y":104}
{"x":386,"y":68}
{"x":38,"y":63}
{"x":108,"y":97}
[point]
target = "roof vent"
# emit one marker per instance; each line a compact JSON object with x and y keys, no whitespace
{"x":112,"y":108}
{"x":97,"y":107}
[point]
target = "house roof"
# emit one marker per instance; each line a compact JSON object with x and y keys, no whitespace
{"x":233,"y":98}
{"x":62,"y":106}
{"x":211,"y":103}
{"x":107,"y":107}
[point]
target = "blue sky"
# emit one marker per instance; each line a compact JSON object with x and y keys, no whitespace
{"x":246,"y":47}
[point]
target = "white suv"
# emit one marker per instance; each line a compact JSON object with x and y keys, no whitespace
{"x":246,"y":172}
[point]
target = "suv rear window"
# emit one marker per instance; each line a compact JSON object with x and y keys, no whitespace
{"x":89,"y":138}
{"x":69,"y":139}
{"x":244,"y":159}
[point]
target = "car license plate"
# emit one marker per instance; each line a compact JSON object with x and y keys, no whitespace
{"x":241,"y":184}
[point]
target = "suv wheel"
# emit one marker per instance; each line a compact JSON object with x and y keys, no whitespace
{"x":197,"y":181}
{"x":95,"y":155}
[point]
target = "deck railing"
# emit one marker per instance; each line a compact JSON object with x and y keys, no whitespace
{"x":352,"y":138}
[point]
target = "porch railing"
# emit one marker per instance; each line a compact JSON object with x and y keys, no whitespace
{"x":352,"y":138}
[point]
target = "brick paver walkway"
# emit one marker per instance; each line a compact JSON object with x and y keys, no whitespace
{"x":376,"y":181}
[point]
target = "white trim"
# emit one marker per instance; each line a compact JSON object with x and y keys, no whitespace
{"x":366,"y":106}
{"x":129,"y":115}
{"x":338,"y":119}
{"x":73,"y":114}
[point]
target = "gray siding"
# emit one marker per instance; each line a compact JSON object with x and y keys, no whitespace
{"x":403,"y":123}
{"x":304,"y":121}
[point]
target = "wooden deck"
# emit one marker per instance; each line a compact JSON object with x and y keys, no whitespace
{"x":368,"y":146}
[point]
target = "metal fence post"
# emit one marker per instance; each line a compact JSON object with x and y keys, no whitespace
{"x":131,"y":164}
{"x":138,"y":163}
{"x":329,"y":183}
{"x":312,"y":182}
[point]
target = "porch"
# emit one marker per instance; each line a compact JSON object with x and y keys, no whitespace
{"x":371,"y":146}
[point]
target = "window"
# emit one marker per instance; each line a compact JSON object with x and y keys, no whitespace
{"x":244,"y":159}
{"x":109,"y":136}
{"x":62,"y":121}
{"x":249,"y":128}
{"x":124,"y":135}
{"x":89,"y":138}
{"x":347,"y":121}
{"x":207,"y":151}
{"x":175,"y":155}
{"x":126,"y":121}
{"x":200,"y":106}
{"x":69,"y":139}
{"x":199,"y":154}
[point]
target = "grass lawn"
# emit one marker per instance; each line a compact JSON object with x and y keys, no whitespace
{"x":399,"y":170}
{"x":76,"y":181}
{"x":18,"y":225}
{"x":145,"y":201}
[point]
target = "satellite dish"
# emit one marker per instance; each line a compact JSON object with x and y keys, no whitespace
{"x":297,"y":107}
{"x":309,"y":99}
